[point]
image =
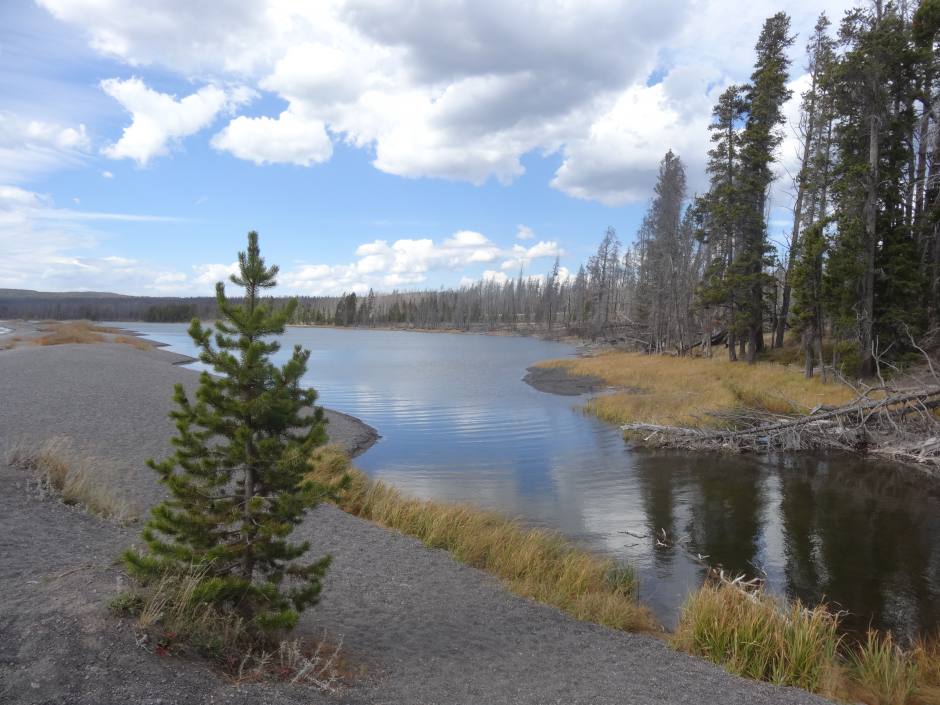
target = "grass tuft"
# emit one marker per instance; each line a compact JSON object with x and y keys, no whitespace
{"x":752,"y":635}
{"x":74,"y":477}
{"x":681,"y":391}
{"x":540,"y":565}
{"x":171,"y":620}
{"x":885,"y":673}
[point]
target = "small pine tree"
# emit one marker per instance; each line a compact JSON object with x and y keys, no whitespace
{"x":236,"y":478}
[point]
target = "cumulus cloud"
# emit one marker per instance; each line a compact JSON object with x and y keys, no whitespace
{"x":408,"y":262}
{"x":160,"y":120}
{"x":459,"y":90}
{"x":520,"y":256}
{"x":29,"y":148}
{"x":524,"y":232}
{"x":49,"y":247}
{"x":288,"y":139}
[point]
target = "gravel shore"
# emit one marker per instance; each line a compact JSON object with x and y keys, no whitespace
{"x":422,"y":627}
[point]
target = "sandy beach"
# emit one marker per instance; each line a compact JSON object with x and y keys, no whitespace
{"x":420,"y":627}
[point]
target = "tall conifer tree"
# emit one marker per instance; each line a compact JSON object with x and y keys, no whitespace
{"x":236,"y":478}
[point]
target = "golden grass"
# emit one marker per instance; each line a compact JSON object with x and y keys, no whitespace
{"x":75,"y":477}
{"x":85,"y":332}
{"x":536,"y":564}
{"x":681,"y":391}
{"x":172,"y":619}
{"x":10,"y":343}
{"x":755,"y":635}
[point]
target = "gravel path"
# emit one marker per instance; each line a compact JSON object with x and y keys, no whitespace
{"x":424,"y":628}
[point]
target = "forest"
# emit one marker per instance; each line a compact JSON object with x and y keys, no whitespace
{"x":858,"y":278}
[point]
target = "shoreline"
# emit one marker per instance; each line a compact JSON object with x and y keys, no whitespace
{"x":411,"y":616}
{"x":352,"y":433}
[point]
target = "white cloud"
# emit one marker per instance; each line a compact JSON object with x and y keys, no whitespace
{"x":210,"y":274}
{"x":49,"y":248}
{"x":496,"y":277}
{"x":409,"y":262}
{"x":520,"y":257}
{"x":456,"y":90}
{"x":524,"y":232}
{"x":30,"y":148}
{"x":289,"y":139}
{"x":107,"y":175}
{"x":160,"y":120}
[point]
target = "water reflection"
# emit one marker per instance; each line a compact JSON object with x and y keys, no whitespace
{"x":458,"y":424}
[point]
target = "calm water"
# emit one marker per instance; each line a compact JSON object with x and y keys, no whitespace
{"x":458,"y":423}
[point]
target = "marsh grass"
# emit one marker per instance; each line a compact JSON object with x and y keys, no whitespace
{"x":85,"y":332}
{"x":540,"y":565}
{"x":681,"y":391}
{"x":753,"y":635}
{"x":758,"y":636}
{"x":74,"y":477}
{"x":882,"y":672}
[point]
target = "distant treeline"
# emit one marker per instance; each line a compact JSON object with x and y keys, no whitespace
{"x":42,"y":306}
{"x":588,"y":304}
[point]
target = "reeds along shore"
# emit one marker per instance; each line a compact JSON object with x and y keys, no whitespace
{"x":749,"y":633}
{"x":682,"y":391}
{"x":758,"y":636}
{"x":537,"y":564}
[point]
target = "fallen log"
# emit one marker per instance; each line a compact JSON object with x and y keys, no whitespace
{"x":850,"y":426}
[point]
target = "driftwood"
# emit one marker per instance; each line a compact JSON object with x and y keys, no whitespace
{"x":898,"y":424}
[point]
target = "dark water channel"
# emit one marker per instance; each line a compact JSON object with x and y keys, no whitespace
{"x":458,"y":423}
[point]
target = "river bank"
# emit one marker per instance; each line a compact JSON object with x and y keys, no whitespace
{"x":423,"y":627}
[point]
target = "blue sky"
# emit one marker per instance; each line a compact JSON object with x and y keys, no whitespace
{"x":391,"y":145}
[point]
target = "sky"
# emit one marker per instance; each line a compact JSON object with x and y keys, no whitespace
{"x":388,"y":145}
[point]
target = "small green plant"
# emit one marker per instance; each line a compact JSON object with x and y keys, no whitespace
{"x":126,"y":604}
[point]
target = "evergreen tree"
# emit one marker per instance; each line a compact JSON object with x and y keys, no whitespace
{"x":873,"y":271}
{"x":814,"y":128}
{"x":722,"y":205}
{"x":236,"y":478}
{"x":765,"y":98}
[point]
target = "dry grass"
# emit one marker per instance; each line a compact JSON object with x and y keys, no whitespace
{"x":539,"y":565}
{"x":681,"y":391}
{"x":755,"y":635}
{"x":74,"y":477}
{"x":10,"y":343}
{"x":85,"y":332}
{"x":172,"y":620}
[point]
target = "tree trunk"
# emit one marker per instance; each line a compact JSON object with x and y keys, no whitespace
{"x":867,"y":298}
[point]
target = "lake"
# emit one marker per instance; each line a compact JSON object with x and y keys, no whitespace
{"x":459,"y":424}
